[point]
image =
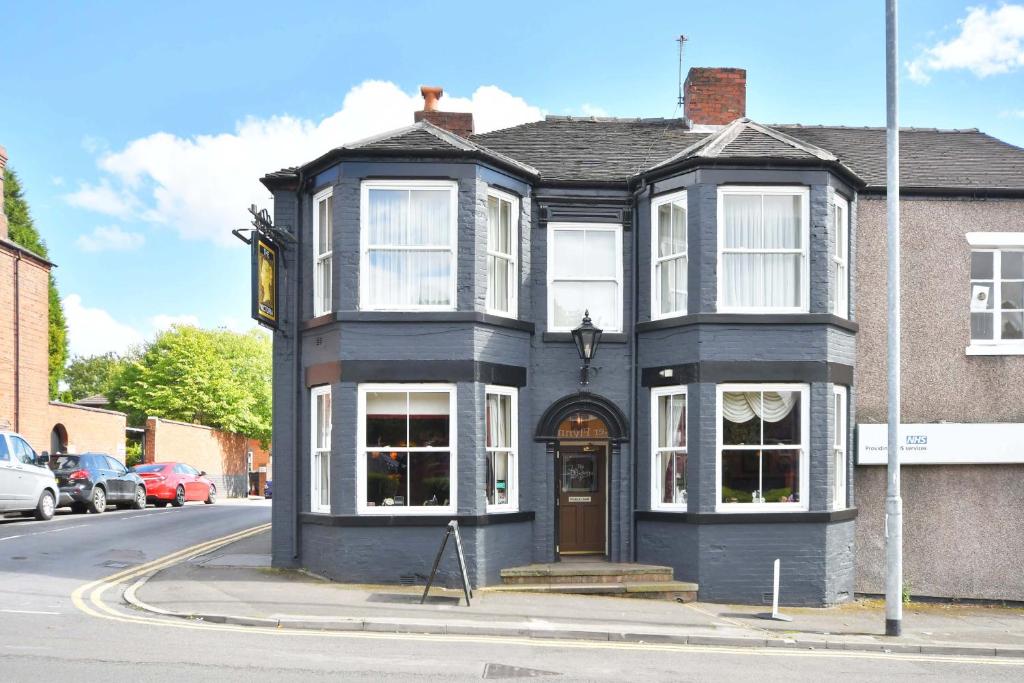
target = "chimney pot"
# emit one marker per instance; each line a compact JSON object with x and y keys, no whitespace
{"x":715,"y":96}
{"x":431,"y":94}
{"x":460,"y":123}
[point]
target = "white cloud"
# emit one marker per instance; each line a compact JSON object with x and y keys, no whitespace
{"x":110,"y":238}
{"x":164,"y":321}
{"x":990,"y":42}
{"x":1012,"y":114}
{"x":236,"y":324}
{"x":593,"y":110}
{"x":57,"y":180}
{"x":200,"y":186}
{"x":93,"y":331}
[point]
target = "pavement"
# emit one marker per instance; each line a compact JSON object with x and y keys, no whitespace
{"x":235,"y":584}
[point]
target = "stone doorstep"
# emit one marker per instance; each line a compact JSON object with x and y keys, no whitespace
{"x":666,"y":590}
{"x":587,"y":578}
{"x":570,"y":568}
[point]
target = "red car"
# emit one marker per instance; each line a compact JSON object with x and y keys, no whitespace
{"x":175,"y":483}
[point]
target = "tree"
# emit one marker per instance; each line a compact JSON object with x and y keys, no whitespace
{"x":215,"y":378}
{"x":23,"y":232}
{"x":91,"y":375}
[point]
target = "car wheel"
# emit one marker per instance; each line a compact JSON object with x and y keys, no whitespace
{"x":211,"y":497}
{"x":140,"y":498}
{"x":45,"y":507}
{"x":78,"y":508}
{"x":179,"y":497}
{"x":98,"y":500}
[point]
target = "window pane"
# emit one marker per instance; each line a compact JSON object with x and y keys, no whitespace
{"x":1013,"y":325}
{"x":780,"y":476}
{"x":740,"y":422}
{"x":1013,"y":295}
{"x":671,"y":274}
{"x":498,"y":478}
{"x":498,"y":283}
{"x":672,"y":421}
{"x":981,"y":265}
{"x":386,"y":419}
{"x":566,"y":253}
{"x":493,"y":224}
{"x":386,"y":478}
{"x":838,"y":418}
{"x":579,"y":472}
{"x":387,"y":216}
{"x":419,"y":278}
{"x":672,"y":477}
{"x":571,"y":299}
{"x":671,"y":229}
{"x":840,"y":243}
{"x":323,"y":421}
{"x":429,"y":418}
{"x":981,"y":296}
{"x":324,"y":225}
{"x":429,"y":478}
{"x":429,"y":218}
{"x":740,"y":476}
{"x":742,"y":221}
{"x":761,"y":280}
{"x":782,"y":222}
{"x":504,"y":244}
{"x":322,"y":465}
{"x":1012,"y":265}
{"x":499,"y":421}
{"x":599,"y":258}
{"x":981,"y":326}
{"x":780,"y":413}
{"x":679,"y":227}
{"x":323,"y":284}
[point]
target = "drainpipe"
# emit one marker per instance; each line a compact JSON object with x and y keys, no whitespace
{"x":634,"y":373}
{"x":17,"y":340}
{"x":300,"y":384}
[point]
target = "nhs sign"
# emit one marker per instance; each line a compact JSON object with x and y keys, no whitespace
{"x":917,"y":440}
{"x":943,"y":444}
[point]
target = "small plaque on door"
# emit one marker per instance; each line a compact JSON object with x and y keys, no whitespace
{"x":579,"y":499}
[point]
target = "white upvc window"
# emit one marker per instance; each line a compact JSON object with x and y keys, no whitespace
{"x":668,"y":255}
{"x":408,"y":238}
{"x":763,"y":233}
{"x":584,"y":273}
{"x":668,"y":448}
{"x":997,"y":294}
{"x":839,"y":447}
{"x":763,"y":446}
{"x":320,"y":449}
{"x":406,"y":462}
{"x":502,"y":247}
{"x":841,"y":258}
{"x":501,"y":441}
{"x":323,"y":234}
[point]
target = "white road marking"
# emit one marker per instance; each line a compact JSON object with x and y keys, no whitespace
{"x":29,"y":611}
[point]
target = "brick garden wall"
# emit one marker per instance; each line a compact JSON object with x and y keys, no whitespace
{"x":88,"y":429}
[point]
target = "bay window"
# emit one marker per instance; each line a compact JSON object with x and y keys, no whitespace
{"x":839,"y":448}
{"x":584,"y":273}
{"x":323,"y":234}
{"x":320,"y":449}
{"x":997,"y":300}
{"x":501,"y":439}
{"x":502,"y":247}
{"x":762,"y":249}
{"x":406,"y":460}
{"x":668,"y":255}
{"x":408,"y":236}
{"x":840,"y":279}
{"x":668,"y":448}
{"x":762,"y":447}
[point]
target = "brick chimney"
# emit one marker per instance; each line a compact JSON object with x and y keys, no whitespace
{"x":460,"y":123}
{"x":3,"y":217}
{"x":715,"y":96}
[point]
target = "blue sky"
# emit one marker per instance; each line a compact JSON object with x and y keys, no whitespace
{"x":139,"y":130}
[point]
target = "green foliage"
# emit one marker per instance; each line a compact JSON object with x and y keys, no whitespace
{"x":23,"y":232}
{"x":91,"y":375}
{"x":906,"y":593}
{"x":215,"y":378}
{"x":133,"y":454}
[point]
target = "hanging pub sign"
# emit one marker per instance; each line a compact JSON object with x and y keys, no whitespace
{"x":264,"y":281}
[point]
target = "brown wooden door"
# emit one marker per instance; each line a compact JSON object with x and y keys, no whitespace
{"x":582,"y":496}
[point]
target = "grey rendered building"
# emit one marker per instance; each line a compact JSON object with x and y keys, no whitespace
{"x":425,"y":369}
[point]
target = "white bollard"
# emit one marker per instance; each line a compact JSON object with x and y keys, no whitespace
{"x":775,"y":596}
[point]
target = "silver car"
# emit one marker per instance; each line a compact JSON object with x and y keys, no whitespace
{"x":26,"y":483}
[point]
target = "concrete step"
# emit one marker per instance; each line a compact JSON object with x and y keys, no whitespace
{"x":584,"y":572}
{"x":682,"y":591}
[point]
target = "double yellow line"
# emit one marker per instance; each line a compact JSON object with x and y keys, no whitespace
{"x":89,"y":599}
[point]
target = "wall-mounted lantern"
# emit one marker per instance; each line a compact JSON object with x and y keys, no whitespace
{"x":587,"y":337}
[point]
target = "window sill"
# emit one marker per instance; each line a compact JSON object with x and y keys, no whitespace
{"x":747,"y":508}
{"x":995,"y":350}
{"x":668,"y":508}
{"x":566,"y":337}
{"x":406,"y":511}
{"x":501,"y":509}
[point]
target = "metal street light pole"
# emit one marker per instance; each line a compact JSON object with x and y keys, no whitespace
{"x":893,"y":501}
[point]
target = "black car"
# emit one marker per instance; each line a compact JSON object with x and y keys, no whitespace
{"x":92,"y":481}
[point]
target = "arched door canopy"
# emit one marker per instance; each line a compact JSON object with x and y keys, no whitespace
{"x":585,"y":402}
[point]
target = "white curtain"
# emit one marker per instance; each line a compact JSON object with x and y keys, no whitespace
{"x":672,"y":421}
{"x":761,"y":222}
{"x":770,"y":406}
{"x":498,"y":416}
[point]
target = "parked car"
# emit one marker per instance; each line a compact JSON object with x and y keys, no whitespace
{"x":26,"y":484}
{"x":175,"y":483}
{"x":93,"y":481}
{"x":268,"y":489}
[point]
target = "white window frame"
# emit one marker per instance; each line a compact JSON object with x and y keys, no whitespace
{"x":657,"y":203}
{"x":364,"y":247}
{"x":323,"y":302}
{"x":805,"y":221}
{"x":840,"y":457}
{"x":513,"y":451}
{"x":739,"y":508}
{"x":656,"y":450}
{"x":841,"y":257}
{"x":315,"y":454}
{"x":361,"y":450}
{"x":512,"y":257}
{"x":618,"y":280}
{"x":996,"y":242}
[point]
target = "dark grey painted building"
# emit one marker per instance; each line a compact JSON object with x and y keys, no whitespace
{"x":425,"y":369}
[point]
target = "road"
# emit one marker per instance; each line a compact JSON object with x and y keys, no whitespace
{"x":44,"y":635}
